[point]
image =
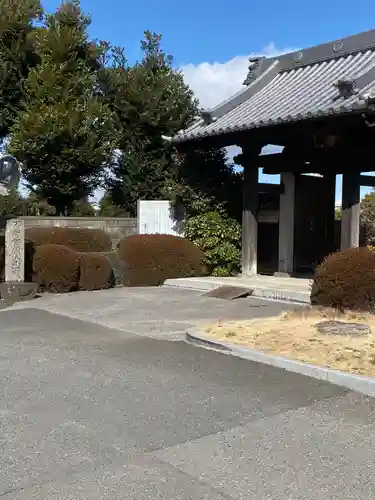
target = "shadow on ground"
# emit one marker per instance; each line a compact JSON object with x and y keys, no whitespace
{"x":156,"y":312}
{"x":89,"y":413}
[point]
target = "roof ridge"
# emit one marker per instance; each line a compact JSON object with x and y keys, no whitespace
{"x":269,"y":72}
{"x":309,"y":92}
{"x":340,"y":47}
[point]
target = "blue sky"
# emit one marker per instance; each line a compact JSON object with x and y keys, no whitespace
{"x":218,"y":30}
{"x":211,"y":40}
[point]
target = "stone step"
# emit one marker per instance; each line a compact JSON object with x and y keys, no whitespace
{"x":267,"y":289}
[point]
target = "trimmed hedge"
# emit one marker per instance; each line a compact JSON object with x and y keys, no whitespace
{"x":79,"y":239}
{"x":150,"y":259}
{"x":95,"y":272}
{"x":56,"y":268}
{"x":346,"y":280}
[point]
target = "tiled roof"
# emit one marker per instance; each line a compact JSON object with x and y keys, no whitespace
{"x":329,"y":79}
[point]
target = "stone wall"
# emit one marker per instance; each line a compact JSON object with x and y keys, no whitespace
{"x":117,"y":228}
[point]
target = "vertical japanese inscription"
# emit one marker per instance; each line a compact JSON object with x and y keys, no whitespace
{"x":15,"y":251}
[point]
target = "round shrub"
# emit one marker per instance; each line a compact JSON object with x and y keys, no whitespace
{"x":79,"y":239}
{"x":95,"y":272}
{"x":150,"y":259}
{"x":220,"y":239}
{"x":56,"y":268}
{"x":346,"y":280}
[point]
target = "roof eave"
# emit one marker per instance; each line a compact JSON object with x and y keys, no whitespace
{"x":355,"y":109}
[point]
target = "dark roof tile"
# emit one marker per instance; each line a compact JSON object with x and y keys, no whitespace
{"x":294,"y":88}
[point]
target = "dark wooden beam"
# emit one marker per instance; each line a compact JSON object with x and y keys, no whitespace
{"x":271,"y":188}
{"x":367,"y":180}
{"x":288,"y":167}
{"x":321,"y":161}
{"x":249,"y":208}
{"x":249,"y":220}
{"x":270,"y":161}
{"x":275,"y":164}
{"x":350,"y":129}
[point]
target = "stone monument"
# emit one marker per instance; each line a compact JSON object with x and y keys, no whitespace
{"x":14,"y":287}
{"x":15,"y":251}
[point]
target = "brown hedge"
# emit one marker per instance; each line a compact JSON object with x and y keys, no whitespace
{"x":150,"y":259}
{"x":56,"y":268}
{"x":79,"y":239}
{"x":346,"y":280}
{"x":95,"y":272}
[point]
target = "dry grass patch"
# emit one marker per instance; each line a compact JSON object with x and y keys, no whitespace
{"x":294,"y":336}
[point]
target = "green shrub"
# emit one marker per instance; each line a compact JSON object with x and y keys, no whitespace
{"x":219,"y":237}
{"x":95,"y":272}
{"x":79,"y":239}
{"x":150,"y":259}
{"x":56,"y":268}
{"x":346,"y":280}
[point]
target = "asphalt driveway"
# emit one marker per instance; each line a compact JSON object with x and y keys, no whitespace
{"x":88,"y":412}
{"x":153,"y":312}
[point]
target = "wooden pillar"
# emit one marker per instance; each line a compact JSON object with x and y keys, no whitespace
{"x":249,"y":209}
{"x":286,"y":225}
{"x":350,"y":210}
{"x":330,"y":213}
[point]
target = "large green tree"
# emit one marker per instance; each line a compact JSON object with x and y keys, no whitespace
{"x":17,"y":55}
{"x":39,"y":207}
{"x":13,"y":204}
{"x":149,"y":99}
{"x":63,"y":134}
{"x":204,"y":181}
{"x":83,"y":208}
{"x":107,"y":208}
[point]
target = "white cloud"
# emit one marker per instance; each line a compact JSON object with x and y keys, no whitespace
{"x":215,"y":82}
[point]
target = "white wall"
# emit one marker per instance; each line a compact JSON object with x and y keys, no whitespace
{"x":158,"y":217}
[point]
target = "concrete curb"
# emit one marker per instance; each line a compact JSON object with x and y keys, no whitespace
{"x":364,"y":385}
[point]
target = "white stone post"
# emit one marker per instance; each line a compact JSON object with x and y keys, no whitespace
{"x":15,"y":251}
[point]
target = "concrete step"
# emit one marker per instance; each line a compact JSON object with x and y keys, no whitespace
{"x":268,"y":288}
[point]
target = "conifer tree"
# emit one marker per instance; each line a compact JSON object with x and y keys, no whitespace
{"x":149,"y":100}
{"x":63,"y":134}
{"x":17,"y":55}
